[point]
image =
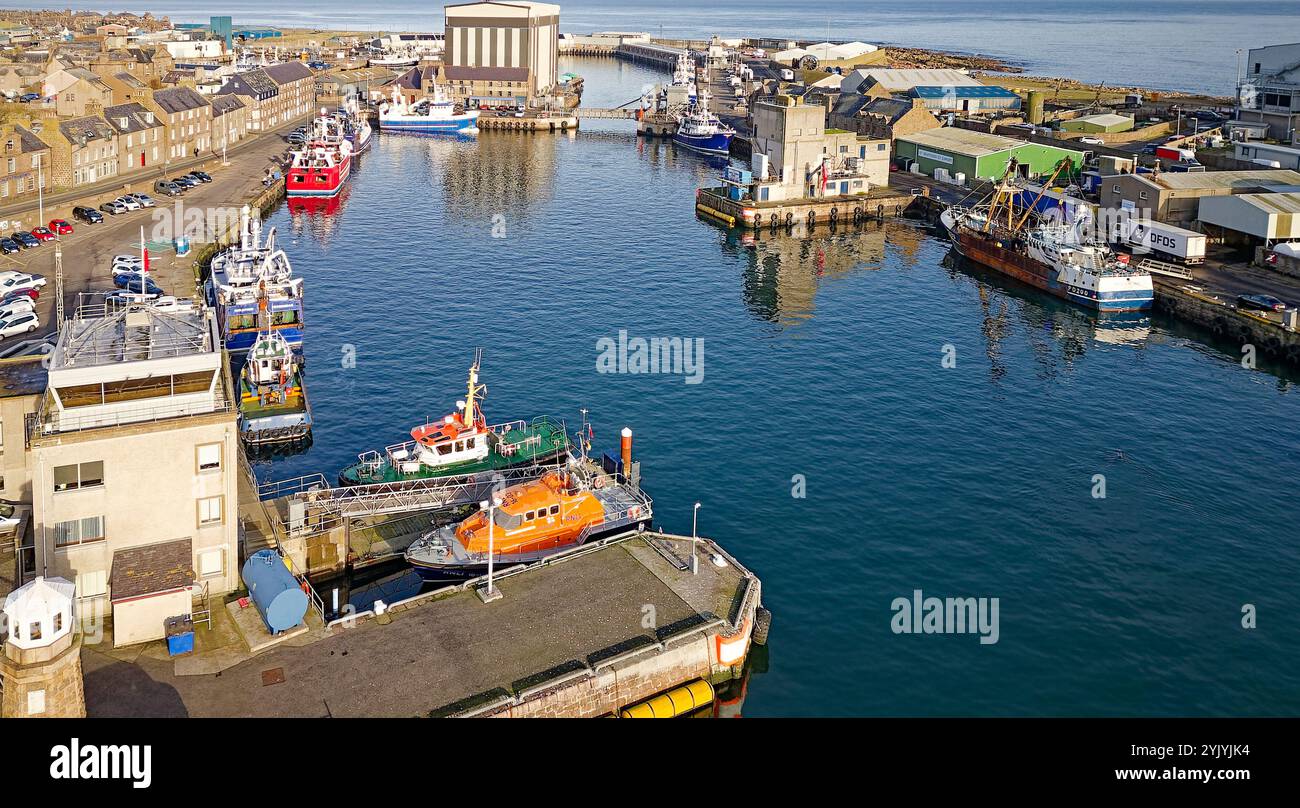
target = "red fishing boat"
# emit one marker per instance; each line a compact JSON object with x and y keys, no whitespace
{"x":322,"y":165}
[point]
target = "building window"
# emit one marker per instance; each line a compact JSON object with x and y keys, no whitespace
{"x":209,"y":456}
{"x":58,"y":622}
{"x":210,"y":510}
{"x":79,"y":531}
{"x":79,"y":475}
{"x":212,"y":562}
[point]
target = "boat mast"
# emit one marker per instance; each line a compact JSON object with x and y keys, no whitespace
{"x":474,"y":388}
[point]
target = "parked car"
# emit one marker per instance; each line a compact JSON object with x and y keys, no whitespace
{"x":113,"y":208}
{"x":123,"y":297}
{"x":145,"y":200}
{"x":16,"y":305}
{"x":16,"y":281}
{"x":8,"y":246}
{"x":1092,"y":141}
{"x":127,"y":258}
{"x":61,"y":227}
{"x":42,"y":234}
{"x":296,"y":138}
{"x":18,"y":294}
{"x":185,"y":182}
{"x":167,"y":188}
{"x":131,"y":282}
{"x":129,"y":202}
{"x":87,"y":215}
{"x":27,"y":98}
{"x":24,"y":323}
{"x":1260,"y":302}
{"x":201,"y":176}
{"x":26,"y":240}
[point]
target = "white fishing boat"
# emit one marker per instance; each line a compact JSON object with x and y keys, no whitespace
{"x":700,"y":130}
{"x":436,"y":113}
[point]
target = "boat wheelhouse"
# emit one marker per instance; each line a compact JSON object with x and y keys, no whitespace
{"x":563,"y":509}
{"x":462,"y":442}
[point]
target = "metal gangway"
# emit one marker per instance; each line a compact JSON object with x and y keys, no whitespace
{"x":309,"y":505}
{"x":1161,"y":268}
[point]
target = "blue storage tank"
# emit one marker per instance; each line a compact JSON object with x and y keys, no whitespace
{"x":274,"y":590}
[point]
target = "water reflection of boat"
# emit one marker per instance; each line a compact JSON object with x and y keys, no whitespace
{"x":315,"y":205}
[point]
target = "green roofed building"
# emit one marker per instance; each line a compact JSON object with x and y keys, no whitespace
{"x":979,"y":155}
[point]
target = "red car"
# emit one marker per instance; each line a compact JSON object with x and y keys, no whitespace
{"x":31,"y":293}
{"x":61,"y":227}
{"x":42,"y":234}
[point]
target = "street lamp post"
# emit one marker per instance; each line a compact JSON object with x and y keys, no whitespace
{"x":489,"y":593}
{"x":695,"y":539}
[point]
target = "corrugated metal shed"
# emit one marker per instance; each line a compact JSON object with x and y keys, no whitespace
{"x":1107,"y":122}
{"x":1266,"y":216}
{"x":1242,"y":181}
{"x":967,"y":142}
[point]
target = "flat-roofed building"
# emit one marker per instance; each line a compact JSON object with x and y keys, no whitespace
{"x":133,"y":458}
{"x":890,"y":81}
{"x":979,"y":155}
{"x":501,"y":52}
{"x":1175,"y":197}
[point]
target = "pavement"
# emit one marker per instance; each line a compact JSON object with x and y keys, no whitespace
{"x":453,"y":650}
{"x":88,"y":251}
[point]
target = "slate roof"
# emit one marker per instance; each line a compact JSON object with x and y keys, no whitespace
{"x":151,"y":569}
{"x":221,"y":104}
{"x":136,"y":116}
{"x":179,"y":99}
{"x":29,"y":141}
{"x":131,"y":81}
{"x":252,"y":83}
{"x":891,"y":109}
{"x":288,"y":72}
{"x":91,"y":127}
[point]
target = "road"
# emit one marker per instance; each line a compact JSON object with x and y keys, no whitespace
{"x":88,"y":252}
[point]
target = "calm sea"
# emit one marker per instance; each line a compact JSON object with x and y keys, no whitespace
{"x":1172,"y":44}
{"x":823,"y":363}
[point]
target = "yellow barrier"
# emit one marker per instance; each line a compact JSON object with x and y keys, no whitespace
{"x":717,"y":214}
{"x":678,"y":701}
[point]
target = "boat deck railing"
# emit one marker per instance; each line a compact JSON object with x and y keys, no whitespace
{"x":315,"y":507}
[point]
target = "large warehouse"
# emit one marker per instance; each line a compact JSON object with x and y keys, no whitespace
{"x":1106,"y":123}
{"x":1274,"y":217}
{"x":978,"y":155}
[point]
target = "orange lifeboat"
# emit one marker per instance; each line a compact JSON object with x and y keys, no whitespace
{"x":544,"y":515}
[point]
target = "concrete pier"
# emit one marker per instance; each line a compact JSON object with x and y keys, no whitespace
{"x":581,"y":634}
{"x":879,"y":203}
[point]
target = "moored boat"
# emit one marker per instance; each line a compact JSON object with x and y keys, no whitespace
{"x":1050,"y":255}
{"x":272,"y":396}
{"x":249,"y":271}
{"x":700,"y":130}
{"x":435,"y":114}
{"x":563,"y":509}
{"x":323,"y":164}
{"x":462,"y":442}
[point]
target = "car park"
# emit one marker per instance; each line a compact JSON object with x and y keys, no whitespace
{"x":113,"y":208}
{"x":87,"y":215}
{"x":26,"y":240}
{"x":129,"y":202}
{"x":145,"y":200}
{"x":23,"y":323}
{"x":61,"y":227}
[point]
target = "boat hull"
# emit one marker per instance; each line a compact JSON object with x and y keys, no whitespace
{"x":1041,"y":276}
{"x":351,"y":476}
{"x":716,"y":143}
{"x":451,"y":572}
{"x":453,"y":125}
{"x":241,"y":341}
{"x":311,"y":186}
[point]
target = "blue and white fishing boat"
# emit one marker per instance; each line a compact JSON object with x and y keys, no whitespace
{"x":356,"y":128}
{"x":700,"y":130}
{"x":434,"y":114}
{"x":249,"y":278}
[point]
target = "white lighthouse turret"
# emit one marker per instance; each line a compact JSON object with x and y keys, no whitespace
{"x":41,"y":663}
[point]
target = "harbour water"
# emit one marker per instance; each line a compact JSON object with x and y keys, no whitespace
{"x":1193,"y":42}
{"x":823,"y":374}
